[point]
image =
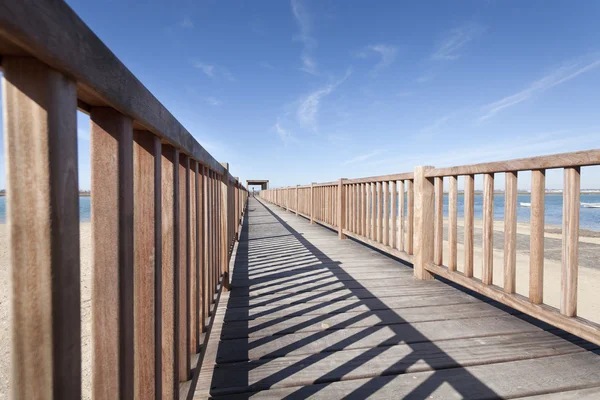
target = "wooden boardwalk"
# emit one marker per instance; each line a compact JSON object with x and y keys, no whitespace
{"x":312,"y":316}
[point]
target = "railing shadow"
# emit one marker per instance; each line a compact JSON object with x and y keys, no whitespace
{"x":287,"y":281}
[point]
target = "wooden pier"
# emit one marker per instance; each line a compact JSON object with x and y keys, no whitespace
{"x":329,"y":290}
{"x":310,"y":316}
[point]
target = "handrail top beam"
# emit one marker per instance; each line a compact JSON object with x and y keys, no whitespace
{"x":53,"y":33}
{"x":561,"y":160}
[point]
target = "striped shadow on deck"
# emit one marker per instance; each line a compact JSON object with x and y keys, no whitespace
{"x":311,"y":316}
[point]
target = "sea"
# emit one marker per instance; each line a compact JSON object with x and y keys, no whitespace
{"x":589,"y":217}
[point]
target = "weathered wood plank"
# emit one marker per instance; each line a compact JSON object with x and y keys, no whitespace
{"x":111,"y":162}
{"x":469,"y":211}
{"x":144,"y":263}
{"x":536,"y":253}
{"x":452,"y":223}
{"x":570,"y":242}
{"x":40,"y":133}
{"x":510,"y":232}
{"x":487,"y":272}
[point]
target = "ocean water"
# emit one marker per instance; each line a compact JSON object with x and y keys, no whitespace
{"x":84,"y":209}
{"x":589,"y":217}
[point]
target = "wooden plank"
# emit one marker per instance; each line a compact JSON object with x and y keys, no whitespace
{"x":424,"y":223}
{"x":469,"y":216}
{"x":303,"y":343}
{"x":364,"y":210}
{"x":510,"y":231}
{"x":158,"y":270}
{"x":373,"y":213}
{"x":169,"y":338}
{"x":268,"y":326}
{"x":145,"y":153}
{"x":102,"y":79}
{"x":583,"y":328}
{"x":487,"y":272}
{"x":570,"y":242}
{"x":561,"y":160}
{"x":200,"y":250}
{"x":452,"y":223}
{"x":398,"y":359}
{"x":206,"y":232}
{"x":439,"y":221}
{"x":111,"y":160}
{"x":379,"y":212}
{"x":410,"y":220}
{"x":504,"y":380}
{"x":536,"y":244}
{"x":40,"y":130}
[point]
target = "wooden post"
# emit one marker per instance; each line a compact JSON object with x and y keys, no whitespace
{"x":469,"y":210}
{"x":40,"y":122}
{"x":297,"y":199}
{"x":225,"y":235}
{"x":536,"y":237}
{"x":439,"y":221}
{"x":112,"y":252}
{"x":394,"y":192}
{"x":184,"y":268}
{"x":424,"y":223}
{"x":410,"y":216}
{"x":570,"y":242}
{"x":146,"y":153}
{"x":341,"y":209}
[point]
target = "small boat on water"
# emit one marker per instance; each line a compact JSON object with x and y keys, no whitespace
{"x":590,"y":205}
{"x":525,"y":204}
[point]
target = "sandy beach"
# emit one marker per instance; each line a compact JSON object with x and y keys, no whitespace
{"x":589,"y":281}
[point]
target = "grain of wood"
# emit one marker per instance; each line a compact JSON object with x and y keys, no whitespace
{"x":487,"y":272}
{"x":386,"y":214}
{"x":536,"y":244}
{"x":410,"y":213}
{"x":570,"y":242}
{"x":144,"y":263}
{"x":468,"y":213}
{"x":439,"y":221}
{"x":510,"y":231}
{"x":40,"y":133}
{"x":394,"y":205}
{"x":111,"y":160}
{"x":424,"y":223}
{"x":401,"y":222}
{"x":452,"y":223}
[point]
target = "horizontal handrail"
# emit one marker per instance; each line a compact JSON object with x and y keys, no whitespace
{"x":53,"y":33}
{"x":165,"y":216}
{"x":372,"y":210}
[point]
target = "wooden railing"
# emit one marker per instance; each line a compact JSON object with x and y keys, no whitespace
{"x":165,"y":216}
{"x":372,"y":210}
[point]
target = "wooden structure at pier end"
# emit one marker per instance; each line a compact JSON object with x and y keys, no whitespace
{"x":356,"y":288}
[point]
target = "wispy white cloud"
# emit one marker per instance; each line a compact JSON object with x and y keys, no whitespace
{"x":186,"y":23}
{"x":284,"y":134}
{"x":213,"y":101}
{"x":564,"y":73}
{"x":453,"y":41}
{"x":303,"y":20}
{"x":387,"y":53}
{"x":363,"y":157}
{"x":213,"y":71}
{"x":309,"y":105}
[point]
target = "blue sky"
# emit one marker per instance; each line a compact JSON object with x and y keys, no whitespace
{"x":306,"y":90}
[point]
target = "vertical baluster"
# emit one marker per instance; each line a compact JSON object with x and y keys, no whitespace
{"x":145,"y":185}
{"x":341,"y":209}
{"x":401,"y":222}
{"x":200,"y":263}
{"x":112,"y":233}
{"x":169,"y":173}
{"x":510,"y":231}
{"x":394,"y":210}
{"x":312,"y":203}
{"x":487,"y":272}
{"x":192,"y":257}
{"x":452,"y":223}
{"x":438,"y":255}
{"x":373,"y":211}
{"x":184,"y":267}
{"x":536,"y":238}
{"x":40,"y":128}
{"x":386,"y":214}
{"x":379,"y":202}
{"x":469,"y":210}
{"x":206,"y":215}
{"x":570,"y":242}
{"x":410,"y":212}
